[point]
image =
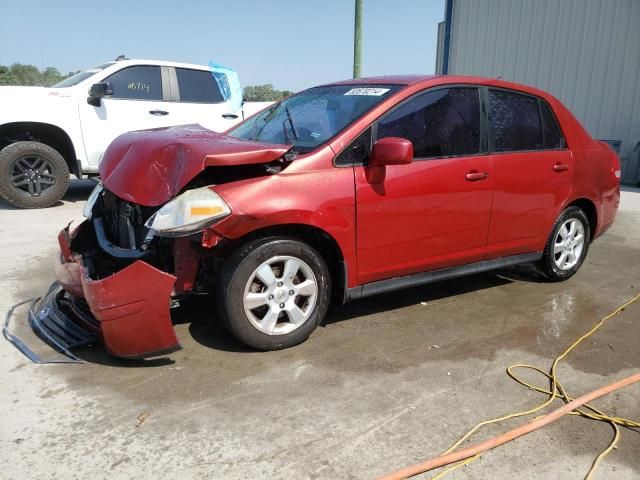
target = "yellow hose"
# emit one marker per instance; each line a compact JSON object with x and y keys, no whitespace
{"x":557,"y":390}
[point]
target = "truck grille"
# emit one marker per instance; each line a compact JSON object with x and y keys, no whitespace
{"x":123,"y":221}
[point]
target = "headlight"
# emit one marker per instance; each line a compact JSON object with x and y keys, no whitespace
{"x":91,"y":201}
{"x":188,"y":213}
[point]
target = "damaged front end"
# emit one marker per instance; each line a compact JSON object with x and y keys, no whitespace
{"x":117,"y":281}
{"x":147,"y":241}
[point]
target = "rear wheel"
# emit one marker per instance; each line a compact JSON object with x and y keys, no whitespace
{"x":567,"y":245}
{"x":273,"y":293}
{"x":32,"y":175}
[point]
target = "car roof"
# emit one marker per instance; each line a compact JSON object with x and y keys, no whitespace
{"x":388,"y":80}
{"x":424,"y":81}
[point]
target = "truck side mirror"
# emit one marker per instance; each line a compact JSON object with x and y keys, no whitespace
{"x":97,"y":91}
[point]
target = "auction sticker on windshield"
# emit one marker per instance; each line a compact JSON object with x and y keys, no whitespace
{"x":376,"y":92}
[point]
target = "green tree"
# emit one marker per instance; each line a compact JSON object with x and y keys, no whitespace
{"x":264,"y":93}
{"x":29,"y":75}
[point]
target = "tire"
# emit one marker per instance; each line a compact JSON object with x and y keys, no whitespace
{"x":273,"y":323}
{"x":32,"y":175}
{"x":560,"y":244}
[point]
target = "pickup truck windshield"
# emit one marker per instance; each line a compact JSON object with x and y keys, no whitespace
{"x":310,"y":118}
{"x":81,"y":76}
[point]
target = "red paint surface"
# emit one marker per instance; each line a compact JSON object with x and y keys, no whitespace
{"x":149,"y":167}
{"x":429,"y":215}
{"x":132,"y":307}
{"x":185,"y":260}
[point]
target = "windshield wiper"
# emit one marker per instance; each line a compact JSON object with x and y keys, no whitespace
{"x":293,"y":128}
{"x":268,"y":116}
{"x":286,"y":133}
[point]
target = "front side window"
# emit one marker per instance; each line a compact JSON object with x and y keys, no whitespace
{"x":358,"y":150}
{"x":515,"y":120}
{"x":198,"y":86}
{"x":143,"y":82}
{"x":310,"y":118}
{"x":439,"y":123}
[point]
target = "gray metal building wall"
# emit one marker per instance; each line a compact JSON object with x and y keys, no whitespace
{"x":585,"y":52}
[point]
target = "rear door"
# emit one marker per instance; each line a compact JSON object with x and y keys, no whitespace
{"x":137,"y":103}
{"x":532,"y":172}
{"x":434,"y":212}
{"x":199,"y":98}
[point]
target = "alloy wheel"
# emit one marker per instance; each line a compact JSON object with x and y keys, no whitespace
{"x":568,"y":244}
{"x":280,"y":295}
{"x":33,"y":175}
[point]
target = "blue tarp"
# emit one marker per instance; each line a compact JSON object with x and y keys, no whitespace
{"x":229,"y":84}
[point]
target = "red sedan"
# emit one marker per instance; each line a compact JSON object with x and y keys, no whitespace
{"x":338,"y":192}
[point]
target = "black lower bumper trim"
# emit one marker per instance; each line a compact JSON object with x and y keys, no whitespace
{"x":51,"y":319}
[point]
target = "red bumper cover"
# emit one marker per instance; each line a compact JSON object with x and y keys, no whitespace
{"x":132,"y":305}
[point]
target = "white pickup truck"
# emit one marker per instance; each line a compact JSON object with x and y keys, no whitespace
{"x":48,"y":133}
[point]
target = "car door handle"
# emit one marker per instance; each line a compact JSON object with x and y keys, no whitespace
{"x":159,"y":113}
{"x":474,"y":176}
{"x":230,"y":116}
{"x":560,"y":167}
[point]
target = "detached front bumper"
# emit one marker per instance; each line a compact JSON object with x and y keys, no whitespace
{"x":129,"y":309}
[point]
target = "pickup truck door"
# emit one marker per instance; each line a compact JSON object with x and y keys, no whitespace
{"x":138,"y":102}
{"x":202,"y":98}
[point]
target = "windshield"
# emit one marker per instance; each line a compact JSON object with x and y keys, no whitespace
{"x":81,"y":76}
{"x":310,"y":118}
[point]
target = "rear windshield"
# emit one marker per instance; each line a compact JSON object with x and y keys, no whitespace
{"x":310,"y":118}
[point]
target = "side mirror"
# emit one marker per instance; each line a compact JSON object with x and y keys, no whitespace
{"x":391,"y":151}
{"x":387,"y":151}
{"x":97,"y":91}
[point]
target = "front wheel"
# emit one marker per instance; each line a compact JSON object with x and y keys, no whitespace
{"x":32,"y":175}
{"x":274,"y":292}
{"x":567,"y":245}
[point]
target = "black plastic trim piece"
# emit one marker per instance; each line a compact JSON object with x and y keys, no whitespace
{"x":52,"y":325}
{"x":113,"y":250}
{"x":384,"y":286}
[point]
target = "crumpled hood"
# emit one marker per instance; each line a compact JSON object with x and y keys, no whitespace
{"x":149,"y":167}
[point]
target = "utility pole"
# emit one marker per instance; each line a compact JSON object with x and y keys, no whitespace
{"x":357,"y":40}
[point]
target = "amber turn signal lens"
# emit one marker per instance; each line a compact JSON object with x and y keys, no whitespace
{"x":206,"y":211}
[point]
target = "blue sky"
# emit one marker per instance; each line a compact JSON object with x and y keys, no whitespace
{"x":291,"y":44}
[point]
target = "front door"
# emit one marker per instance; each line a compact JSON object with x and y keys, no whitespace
{"x":136,"y":104}
{"x":433,"y":213}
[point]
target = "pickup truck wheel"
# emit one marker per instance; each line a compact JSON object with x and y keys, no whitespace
{"x":32,"y":175}
{"x":273,"y":293}
{"x":567,"y":245}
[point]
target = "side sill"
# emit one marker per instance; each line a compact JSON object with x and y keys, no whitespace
{"x":423,"y":278}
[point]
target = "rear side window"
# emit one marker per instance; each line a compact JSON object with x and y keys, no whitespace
{"x":198,"y":86}
{"x":439,"y":123}
{"x":515,"y":120}
{"x":553,"y":138}
{"x":143,"y":82}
